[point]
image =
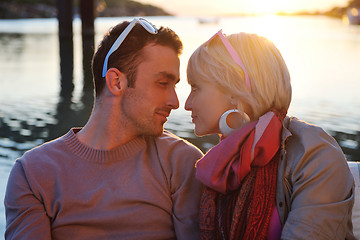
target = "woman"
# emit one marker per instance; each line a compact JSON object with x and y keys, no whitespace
{"x":271,"y":176}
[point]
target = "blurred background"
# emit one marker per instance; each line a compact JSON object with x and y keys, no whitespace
{"x":46,"y":48}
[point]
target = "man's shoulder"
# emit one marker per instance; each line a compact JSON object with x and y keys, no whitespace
{"x":44,"y":151}
{"x":176,"y":156}
{"x":170,"y":146}
{"x":171,"y":140}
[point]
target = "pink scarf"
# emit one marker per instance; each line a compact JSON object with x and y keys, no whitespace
{"x":225,"y":165}
{"x":241,"y":162}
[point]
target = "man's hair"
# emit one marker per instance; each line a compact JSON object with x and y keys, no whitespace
{"x":130,"y":53}
{"x":268,"y":73}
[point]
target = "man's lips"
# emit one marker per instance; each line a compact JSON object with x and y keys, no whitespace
{"x":165,"y":115}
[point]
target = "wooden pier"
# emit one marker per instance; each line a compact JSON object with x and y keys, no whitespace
{"x":65,"y":18}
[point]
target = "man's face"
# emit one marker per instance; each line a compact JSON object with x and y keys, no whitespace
{"x":147,"y":105}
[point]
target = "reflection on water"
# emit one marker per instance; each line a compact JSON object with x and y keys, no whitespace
{"x":39,"y":104}
{"x":35,"y":108}
{"x":12,"y":42}
{"x":24,"y":125}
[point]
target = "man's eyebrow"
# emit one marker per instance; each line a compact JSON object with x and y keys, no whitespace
{"x":169,"y":76}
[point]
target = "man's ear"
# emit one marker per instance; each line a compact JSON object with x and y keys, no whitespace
{"x":116,"y":81}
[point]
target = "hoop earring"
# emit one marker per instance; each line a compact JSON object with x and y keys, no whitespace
{"x":225,"y":129}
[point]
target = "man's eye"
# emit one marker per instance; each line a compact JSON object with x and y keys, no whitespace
{"x":164,"y":83}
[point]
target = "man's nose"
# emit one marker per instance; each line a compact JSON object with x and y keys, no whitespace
{"x":173,"y":100}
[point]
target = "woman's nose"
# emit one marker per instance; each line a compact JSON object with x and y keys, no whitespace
{"x":188,"y":103}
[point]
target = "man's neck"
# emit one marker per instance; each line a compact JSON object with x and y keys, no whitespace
{"x":104,"y":129}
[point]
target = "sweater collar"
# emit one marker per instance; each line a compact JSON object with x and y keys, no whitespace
{"x":102,"y":156}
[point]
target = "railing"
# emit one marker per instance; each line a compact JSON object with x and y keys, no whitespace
{"x":355,"y":170}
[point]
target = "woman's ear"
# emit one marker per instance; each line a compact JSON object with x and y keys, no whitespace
{"x":116,"y":81}
{"x":241,"y":106}
{"x":233,"y":101}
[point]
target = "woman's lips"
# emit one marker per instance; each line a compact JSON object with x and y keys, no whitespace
{"x":193,"y":118}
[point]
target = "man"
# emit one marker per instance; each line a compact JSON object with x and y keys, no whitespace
{"x":120,"y":176}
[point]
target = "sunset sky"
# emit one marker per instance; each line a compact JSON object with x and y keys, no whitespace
{"x":216,"y":7}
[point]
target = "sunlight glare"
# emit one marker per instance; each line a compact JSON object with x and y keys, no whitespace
{"x":263,"y":7}
{"x":271,"y":27}
{"x":270,"y":7}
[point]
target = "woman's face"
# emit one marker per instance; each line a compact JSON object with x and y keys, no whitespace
{"x":206,"y":103}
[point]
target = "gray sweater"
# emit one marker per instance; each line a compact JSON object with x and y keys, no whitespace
{"x":145,"y":189}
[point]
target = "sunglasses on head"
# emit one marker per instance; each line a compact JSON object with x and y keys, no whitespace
{"x":143,"y":22}
{"x":233,"y":54}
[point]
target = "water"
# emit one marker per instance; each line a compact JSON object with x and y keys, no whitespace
{"x":322,"y":55}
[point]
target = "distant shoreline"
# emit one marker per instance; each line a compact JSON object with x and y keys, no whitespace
{"x":121,"y":8}
{"x":336,"y":12}
{"x":15,"y":10}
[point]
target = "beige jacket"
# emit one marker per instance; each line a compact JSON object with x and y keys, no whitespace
{"x":315,"y":186}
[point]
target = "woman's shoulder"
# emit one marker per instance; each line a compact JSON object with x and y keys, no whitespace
{"x":305,"y":142}
{"x":300,"y":127}
{"x":306,"y":133}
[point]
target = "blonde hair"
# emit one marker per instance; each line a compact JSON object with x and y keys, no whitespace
{"x":268,"y":73}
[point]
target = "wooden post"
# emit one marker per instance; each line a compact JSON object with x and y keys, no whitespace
{"x":87,"y":12}
{"x":65,"y":19}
